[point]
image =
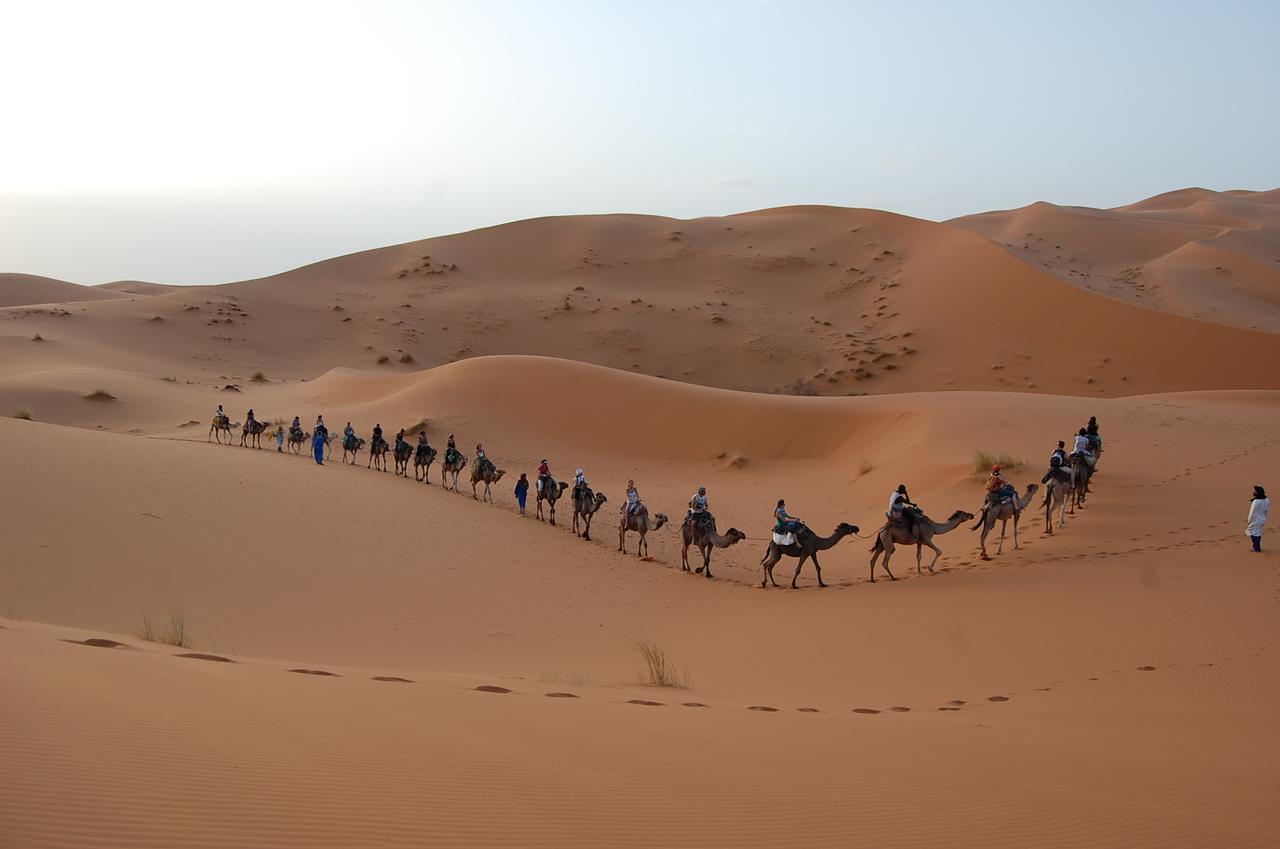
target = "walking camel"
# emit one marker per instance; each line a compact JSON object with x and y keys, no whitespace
{"x":1002,"y":513}
{"x":550,"y":493}
{"x":377,"y":455}
{"x":455,"y":468}
{"x":219,"y":426}
{"x":585,"y":505}
{"x":702,"y":535}
{"x":488,"y":474}
{"x":252,"y":433}
{"x":806,"y":547}
{"x":921,"y":535}
{"x":1057,"y":492}
{"x":403,"y":451}
{"x":351,"y":445}
{"x":640,"y":522}
{"x":423,"y":457}
{"x":1080,"y":475}
{"x":298,"y":438}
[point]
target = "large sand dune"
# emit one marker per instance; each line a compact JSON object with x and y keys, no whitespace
{"x":1111,"y":684}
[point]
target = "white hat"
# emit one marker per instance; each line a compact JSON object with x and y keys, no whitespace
{"x":579,"y":471}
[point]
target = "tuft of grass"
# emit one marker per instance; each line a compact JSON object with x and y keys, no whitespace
{"x":383,"y":359}
{"x":24,"y":413}
{"x":982,"y":462}
{"x":176,"y":630}
{"x":658,"y":670}
{"x":258,"y":377}
{"x":865,"y":467}
{"x":147,"y":632}
{"x":99,"y":395}
{"x":37,"y":338}
{"x":406,"y":358}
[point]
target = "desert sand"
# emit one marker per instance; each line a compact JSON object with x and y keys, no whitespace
{"x":376,"y":661}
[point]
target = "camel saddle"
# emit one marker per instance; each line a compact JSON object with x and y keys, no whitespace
{"x":451,"y":456}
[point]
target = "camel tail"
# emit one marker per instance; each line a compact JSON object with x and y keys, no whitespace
{"x":878,"y":545}
{"x":982,"y":517}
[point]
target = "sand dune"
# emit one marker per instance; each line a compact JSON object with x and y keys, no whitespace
{"x":19,"y":290}
{"x":1194,"y":252}
{"x":375,"y":661}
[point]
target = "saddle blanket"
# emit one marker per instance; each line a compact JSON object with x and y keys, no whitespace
{"x":785,"y":539}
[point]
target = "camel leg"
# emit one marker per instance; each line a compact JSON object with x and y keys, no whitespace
{"x":706,"y":561}
{"x":586,"y":530}
{"x":767,"y":568}
{"x":1016,"y":517}
{"x":817,"y":567}
{"x":987,"y":525}
{"x":919,"y":552}
{"x":1004,"y":526}
{"x":799,"y":566}
{"x":622,"y":539}
{"x":937,"y":552}
{"x":889,"y":549}
{"x":684,"y":558}
{"x":642,"y":547}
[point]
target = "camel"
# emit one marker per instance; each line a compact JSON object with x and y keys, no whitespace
{"x":923,"y":533}
{"x":1002,"y":513}
{"x":1058,"y":491}
{"x":1080,"y":475}
{"x":423,"y":457}
{"x":488,"y":474}
{"x":298,"y":438}
{"x":702,"y":535}
{"x":550,"y":493}
{"x":252,"y":433}
{"x":219,"y":426}
{"x":585,"y":505}
{"x":378,"y":455}
{"x":403,"y":451}
{"x":351,"y":445}
{"x":455,"y":468}
{"x":806,"y":547}
{"x":640,"y":522}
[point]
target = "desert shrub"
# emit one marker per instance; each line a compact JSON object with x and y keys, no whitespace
{"x":99,"y":395}
{"x":982,"y":462}
{"x":657,"y":668}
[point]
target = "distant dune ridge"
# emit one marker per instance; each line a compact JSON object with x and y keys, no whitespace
{"x":206,"y":644}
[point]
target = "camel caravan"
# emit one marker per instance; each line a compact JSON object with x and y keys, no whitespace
{"x":1066,"y":484}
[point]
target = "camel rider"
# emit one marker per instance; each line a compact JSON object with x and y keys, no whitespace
{"x":697,"y":507}
{"x":451,"y":451}
{"x":248,"y":418}
{"x":377,"y":437}
{"x":997,"y":487}
{"x":1058,"y":458}
{"x":400,"y":441}
{"x":784,"y":523}
{"x":321,"y":430}
{"x":220,"y":417}
{"x":1084,"y":448}
{"x":580,"y":485}
{"x":295,"y":429}
{"x":482,"y":462}
{"x":422,"y":439}
{"x":902,"y":509}
{"x":1091,"y":431}
{"x":544,"y":474}
{"x":633,"y":500}
{"x":348,"y":436}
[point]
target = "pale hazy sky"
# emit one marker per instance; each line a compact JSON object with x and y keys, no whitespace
{"x":204,"y":142}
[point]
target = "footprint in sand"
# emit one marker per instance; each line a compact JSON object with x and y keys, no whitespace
{"x":392,"y":678}
{"x":492,"y":688}
{"x":997,"y":698}
{"x":320,"y":672}
{"x":808,"y":710}
{"x":955,"y":702}
{"x":561,"y":696}
{"x":865,"y":710}
{"x":693,"y":704}
{"x":217,"y":658}
{"x":944,"y":707}
{"x":765,"y":708}
{"x":99,"y":643}
{"x":644,"y":702}
{"x":899,"y":709}
{"x":1146,"y":669}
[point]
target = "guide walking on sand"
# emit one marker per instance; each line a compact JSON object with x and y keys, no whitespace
{"x":1259,"y":507}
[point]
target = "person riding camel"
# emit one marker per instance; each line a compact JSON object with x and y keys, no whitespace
{"x":1084,"y":448}
{"x":295,"y":429}
{"x":348,"y":437}
{"x":998,"y":488}
{"x":580,"y":485}
{"x":697,"y":507}
{"x":1058,"y":458}
{"x":422,"y":439}
{"x":482,"y":462}
{"x":902,"y":509}
{"x":400,"y":441}
{"x":1091,"y":431}
{"x":321,"y":432}
{"x":451,"y":454}
{"x":377,"y":439}
{"x":633,"y":501}
{"x":220,"y":417}
{"x":248,"y":418}
{"x":544,"y":474}
{"x":783,"y":522}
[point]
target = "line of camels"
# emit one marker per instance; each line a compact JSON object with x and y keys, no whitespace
{"x":1065,"y":489}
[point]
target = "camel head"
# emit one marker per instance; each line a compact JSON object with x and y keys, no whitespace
{"x":497,"y":474}
{"x":563,"y":486}
{"x":846,"y":528}
{"x":600,"y":498}
{"x":1031,"y":488}
{"x":659,"y":519}
{"x":960,"y":516}
{"x":734,"y":535}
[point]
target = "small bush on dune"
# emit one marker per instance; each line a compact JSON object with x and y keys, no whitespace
{"x":176,"y":632}
{"x":406,"y":358}
{"x":657,"y":668}
{"x":99,"y":395}
{"x":37,"y":338}
{"x":383,"y":359}
{"x":24,"y":413}
{"x":982,"y":462}
{"x":258,"y":377}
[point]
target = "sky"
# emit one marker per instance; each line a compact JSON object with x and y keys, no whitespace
{"x":188,"y":142}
